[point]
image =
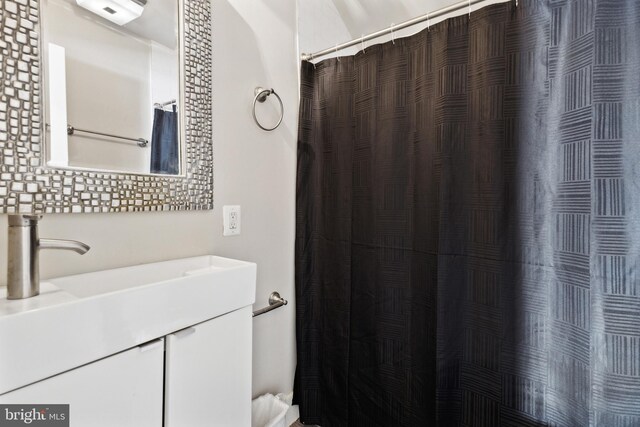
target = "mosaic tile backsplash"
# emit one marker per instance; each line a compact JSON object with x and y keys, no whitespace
{"x":27,"y":185}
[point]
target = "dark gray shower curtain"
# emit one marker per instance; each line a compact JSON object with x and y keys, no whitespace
{"x":468,"y":214}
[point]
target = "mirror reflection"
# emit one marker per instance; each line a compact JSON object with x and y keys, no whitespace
{"x":112,"y":85}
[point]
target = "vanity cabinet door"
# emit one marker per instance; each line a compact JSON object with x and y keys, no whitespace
{"x":121,"y":390}
{"x":208,"y":373}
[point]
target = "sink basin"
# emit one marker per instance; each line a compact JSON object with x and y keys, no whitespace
{"x":79,"y":319}
{"x":122,"y":279}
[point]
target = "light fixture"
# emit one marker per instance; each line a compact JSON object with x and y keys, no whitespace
{"x":117,"y":11}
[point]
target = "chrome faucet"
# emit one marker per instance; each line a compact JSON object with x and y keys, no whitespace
{"x":23,"y":272}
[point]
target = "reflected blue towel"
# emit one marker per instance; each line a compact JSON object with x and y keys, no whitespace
{"x":164,"y":143}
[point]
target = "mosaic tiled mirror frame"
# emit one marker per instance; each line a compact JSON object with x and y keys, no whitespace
{"x":28,"y":185}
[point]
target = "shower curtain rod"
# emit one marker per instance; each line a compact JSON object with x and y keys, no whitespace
{"x":426,"y":17}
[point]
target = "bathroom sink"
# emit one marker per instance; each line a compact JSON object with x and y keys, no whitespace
{"x":82,"y":318}
{"x":123,"y":279}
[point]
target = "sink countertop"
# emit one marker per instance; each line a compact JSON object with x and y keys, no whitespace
{"x":50,"y":296}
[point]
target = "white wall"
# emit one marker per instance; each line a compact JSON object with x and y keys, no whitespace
{"x":117,"y":240}
{"x":163,"y":74}
{"x":254,"y":43}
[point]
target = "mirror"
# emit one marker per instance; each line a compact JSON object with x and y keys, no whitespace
{"x":31,"y":183}
{"x":112,"y":92}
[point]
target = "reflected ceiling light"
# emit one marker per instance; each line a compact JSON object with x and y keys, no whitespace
{"x":117,"y":11}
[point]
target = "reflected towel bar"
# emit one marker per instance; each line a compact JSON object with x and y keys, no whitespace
{"x":140,"y":141}
{"x":275,"y":301}
{"x":164,"y":104}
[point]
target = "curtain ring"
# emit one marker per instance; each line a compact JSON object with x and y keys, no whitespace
{"x":393,"y":39}
{"x":428,"y":23}
{"x":261,"y":96}
{"x":469,"y":9}
{"x":362,"y":41}
{"x":336,"y":50}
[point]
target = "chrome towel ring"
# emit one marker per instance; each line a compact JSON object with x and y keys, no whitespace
{"x":261,"y":96}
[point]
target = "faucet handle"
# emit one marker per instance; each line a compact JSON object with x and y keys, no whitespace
{"x":23,"y":220}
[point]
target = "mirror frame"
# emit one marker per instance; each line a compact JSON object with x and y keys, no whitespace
{"x":28,"y":185}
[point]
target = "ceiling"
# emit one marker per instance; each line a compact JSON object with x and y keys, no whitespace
{"x":366,"y":16}
{"x":158,"y":22}
{"x":326,"y":23}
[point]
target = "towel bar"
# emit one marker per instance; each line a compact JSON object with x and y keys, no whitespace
{"x":275,"y":301}
{"x":140,"y":141}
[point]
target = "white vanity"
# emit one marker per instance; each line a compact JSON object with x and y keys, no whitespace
{"x":167,"y":343}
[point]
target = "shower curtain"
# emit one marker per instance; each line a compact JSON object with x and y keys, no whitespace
{"x":468,"y":222}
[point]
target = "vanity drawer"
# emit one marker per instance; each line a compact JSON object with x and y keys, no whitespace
{"x":121,"y":390}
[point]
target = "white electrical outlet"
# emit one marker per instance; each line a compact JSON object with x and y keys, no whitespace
{"x":231,"y":220}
